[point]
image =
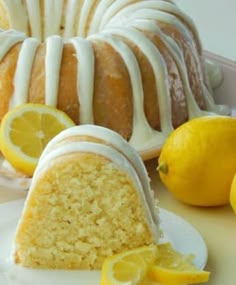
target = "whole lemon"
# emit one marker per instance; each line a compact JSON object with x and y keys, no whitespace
{"x":198,"y":160}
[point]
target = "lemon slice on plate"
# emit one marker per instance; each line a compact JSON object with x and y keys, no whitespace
{"x":129,"y":267}
{"x":151,"y":265}
{"x":173,"y":268}
{"x":25,"y":130}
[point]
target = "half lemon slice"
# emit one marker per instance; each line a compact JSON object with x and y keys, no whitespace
{"x":129,"y":267}
{"x":26,"y":129}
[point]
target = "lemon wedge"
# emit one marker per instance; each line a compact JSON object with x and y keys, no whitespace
{"x":26,"y":129}
{"x":129,"y":267}
{"x":173,"y":268}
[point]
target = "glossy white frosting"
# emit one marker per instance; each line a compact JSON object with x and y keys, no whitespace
{"x":34,"y":14}
{"x":85,"y":75}
{"x":106,"y":21}
{"x":23,"y":71}
{"x":54,"y":47}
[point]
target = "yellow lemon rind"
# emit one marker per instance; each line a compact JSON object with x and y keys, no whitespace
{"x":175,"y":277}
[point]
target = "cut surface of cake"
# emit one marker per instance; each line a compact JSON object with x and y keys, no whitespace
{"x":90,"y":198}
{"x":135,"y":67}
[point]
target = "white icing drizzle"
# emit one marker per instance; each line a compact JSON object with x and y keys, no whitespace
{"x":142,"y":132}
{"x":151,"y":14}
{"x":107,"y":136}
{"x":8,"y":39}
{"x":193,"y":108}
{"x":85,"y":78}
{"x":17,"y":15}
{"x":160,"y":71}
{"x":177,"y":55}
{"x":98,"y":15}
{"x":163,"y":6}
{"x":73,"y":147}
{"x":23,"y":71}
{"x":71,"y":20}
{"x":84,"y":15}
{"x":34,"y":14}
{"x":54,"y":47}
{"x":115,"y":7}
{"x":170,"y":19}
{"x":53,"y":10}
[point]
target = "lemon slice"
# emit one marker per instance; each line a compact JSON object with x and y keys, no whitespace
{"x":129,"y":267}
{"x":173,"y":268}
{"x":25,"y":130}
{"x":233,"y":194}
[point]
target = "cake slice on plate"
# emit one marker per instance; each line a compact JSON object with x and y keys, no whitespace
{"x":89,"y":198}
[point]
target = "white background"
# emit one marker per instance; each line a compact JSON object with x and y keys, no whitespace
{"x":216,"y":23}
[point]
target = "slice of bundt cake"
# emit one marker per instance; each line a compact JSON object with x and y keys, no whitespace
{"x":89,"y":198}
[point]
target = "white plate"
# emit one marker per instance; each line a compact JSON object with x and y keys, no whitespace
{"x":181,"y":234}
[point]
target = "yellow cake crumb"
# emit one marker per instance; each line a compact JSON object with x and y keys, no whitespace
{"x":82,"y":209}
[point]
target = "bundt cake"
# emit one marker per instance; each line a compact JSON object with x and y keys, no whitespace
{"x":133,"y":66}
{"x":89,"y":198}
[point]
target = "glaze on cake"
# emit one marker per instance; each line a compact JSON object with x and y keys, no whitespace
{"x":135,"y":67}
